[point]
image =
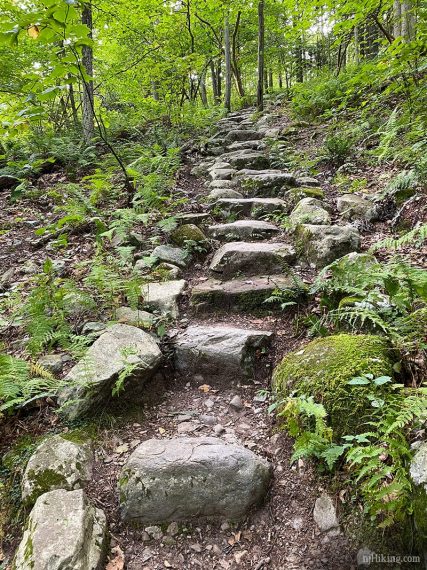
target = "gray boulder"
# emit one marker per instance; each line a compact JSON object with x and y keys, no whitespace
{"x":242,"y":135}
{"x":53,"y":363}
{"x":58,"y":463}
{"x":418,"y":473}
{"x":222,"y":184}
{"x":307,"y":181}
{"x":243,"y":230}
{"x":64,"y":532}
{"x":251,"y":207}
{"x":218,"y":352}
{"x":134,"y":317}
{"x":245,"y":145}
{"x":92,"y":379}
{"x":218,"y":173}
{"x":218,"y":193}
{"x":353,"y":207}
{"x":246,"y":159}
{"x":321,"y":245}
{"x":324,"y":513}
{"x":187,"y":478}
{"x":174,"y":255}
{"x":163,"y":296}
{"x":261,"y":182}
{"x":309,"y":211}
{"x":242,"y":258}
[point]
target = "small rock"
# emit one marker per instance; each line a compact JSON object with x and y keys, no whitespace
{"x":173,"y":529}
{"x":207,"y":420}
{"x":236,"y":403}
{"x":239,"y":556}
{"x":196,"y":547}
{"x":216,"y":550}
{"x":324,"y":513}
{"x":225,"y":526}
{"x":187,"y":427}
{"x":154,"y":531}
{"x":219,"y":429}
{"x":53,"y":363}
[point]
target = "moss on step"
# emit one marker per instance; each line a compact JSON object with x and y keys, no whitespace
{"x":323,"y":368}
{"x":187,"y":232}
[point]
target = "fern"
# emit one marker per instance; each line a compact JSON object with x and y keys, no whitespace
{"x":414,"y":238}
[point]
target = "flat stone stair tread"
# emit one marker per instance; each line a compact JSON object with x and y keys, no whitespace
{"x":248,"y":258}
{"x":218,"y":351}
{"x":251,"y":206}
{"x":243,"y":294}
{"x":243,"y":229}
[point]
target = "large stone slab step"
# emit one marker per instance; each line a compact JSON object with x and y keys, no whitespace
{"x":219,"y":352}
{"x":243,"y":230}
{"x":250,"y":207}
{"x":189,"y":478}
{"x":242,"y":258}
{"x":245,"y":294}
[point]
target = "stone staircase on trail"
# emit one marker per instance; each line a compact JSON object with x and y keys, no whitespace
{"x":185,"y":478}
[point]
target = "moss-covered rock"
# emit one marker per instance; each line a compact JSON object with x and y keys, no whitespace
{"x":323,"y":368}
{"x":294,"y":195}
{"x":187,"y":232}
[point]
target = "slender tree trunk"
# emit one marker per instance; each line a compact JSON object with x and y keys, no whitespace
{"x":87,"y":61}
{"x":236,"y":69}
{"x":280,"y":80}
{"x":218,"y":79}
{"x":203,"y":94}
{"x":261,"y":36}
{"x":227,"y":94}
{"x":407,"y":20}
{"x":73,"y":105}
{"x":270,"y":79}
{"x":154,"y":92}
{"x":214,"y":82}
{"x":397,"y":18}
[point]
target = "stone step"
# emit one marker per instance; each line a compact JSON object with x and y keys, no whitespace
{"x":241,"y":134}
{"x":243,"y":230}
{"x":250,"y":207}
{"x":260,"y":182}
{"x":245,"y":145}
{"x":242,"y":159}
{"x":245,"y":294}
{"x":218,"y":352}
{"x":163,"y":296}
{"x":243,"y":258}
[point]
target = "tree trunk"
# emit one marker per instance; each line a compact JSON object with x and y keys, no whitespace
{"x":87,"y":61}
{"x":218,"y":79}
{"x":397,"y":19}
{"x":270,"y":79}
{"x":407,"y":20}
{"x":280,"y":80}
{"x":236,"y":69}
{"x":214,"y":82}
{"x":203,"y":94}
{"x":154,"y":92}
{"x":260,"y":88}
{"x":227,"y":95}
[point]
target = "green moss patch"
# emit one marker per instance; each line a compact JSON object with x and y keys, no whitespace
{"x":323,"y":369}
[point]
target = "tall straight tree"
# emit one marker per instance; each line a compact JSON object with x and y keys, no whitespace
{"x":227,"y":95}
{"x":261,"y":37}
{"x":87,"y":61}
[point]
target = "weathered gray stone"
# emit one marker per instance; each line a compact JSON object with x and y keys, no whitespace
{"x":54,"y":363}
{"x":195,"y":218}
{"x":307,"y":181}
{"x":243,"y":230}
{"x":353,"y":207}
{"x":202,"y":168}
{"x":64,"y":532}
{"x":246,"y":159}
{"x":57,"y":463}
{"x":242,"y":135}
{"x":323,"y":244}
{"x":92,"y":379}
{"x":222,"y":184}
{"x":244,"y":294}
{"x":244,"y":145}
{"x":309,"y":211}
{"x":324,"y":513}
{"x":272,"y":181}
{"x":221,"y":173}
{"x":251,"y":207}
{"x":218,"y":193}
{"x":174,"y":255}
{"x":163,"y":297}
{"x":220,"y":353}
{"x":134,"y":317}
{"x":242,"y":258}
{"x":187,"y":478}
{"x":418,"y":473}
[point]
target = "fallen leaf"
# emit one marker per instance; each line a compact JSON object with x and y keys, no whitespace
{"x":204,"y":388}
{"x":162,"y":430}
{"x":122,"y":448}
{"x":118,"y":562}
